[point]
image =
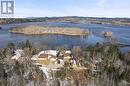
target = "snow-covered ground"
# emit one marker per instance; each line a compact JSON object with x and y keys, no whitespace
{"x":46,"y":71}
{"x":18,"y":54}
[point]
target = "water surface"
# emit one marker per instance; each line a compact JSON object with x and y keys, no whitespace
{"x":121,"y":33}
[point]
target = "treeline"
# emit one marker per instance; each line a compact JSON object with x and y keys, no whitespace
{"x":105,"y":66}
{"x":71,"y":19}
{"x":19,"y":20}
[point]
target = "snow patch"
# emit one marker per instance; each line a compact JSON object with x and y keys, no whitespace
{"x":18,"y":54}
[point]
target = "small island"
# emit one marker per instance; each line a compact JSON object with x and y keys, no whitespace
{"x":43,"y":30}
{"x":107,"y":34}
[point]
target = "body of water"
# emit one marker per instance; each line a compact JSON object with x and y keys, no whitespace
{"x":121,"y":34}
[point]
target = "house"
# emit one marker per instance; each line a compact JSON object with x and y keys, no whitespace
{"x":53,"y":57}
{"x":46,"y":57}
{"x":54,"y":60}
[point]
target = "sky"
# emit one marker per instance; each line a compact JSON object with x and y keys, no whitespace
{"x":85,"y":8}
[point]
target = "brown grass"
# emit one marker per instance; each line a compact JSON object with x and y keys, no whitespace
{"x":42,"y":30}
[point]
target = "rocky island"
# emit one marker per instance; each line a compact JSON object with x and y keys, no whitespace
{"x":43,"y":30}
{"x":107,"y":34}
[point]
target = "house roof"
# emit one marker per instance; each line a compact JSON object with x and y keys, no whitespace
{"x":50,"y":52}
{"x":68,"y":51}
{"x":43,"y":56}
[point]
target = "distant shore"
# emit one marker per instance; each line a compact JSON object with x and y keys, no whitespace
{"x":42,"y":30}
{"x":70,"y":19}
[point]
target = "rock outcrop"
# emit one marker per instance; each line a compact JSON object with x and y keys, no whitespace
{"x":107,"y":34}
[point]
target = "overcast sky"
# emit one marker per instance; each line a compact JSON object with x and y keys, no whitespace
{"x":86,"y":8}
